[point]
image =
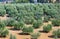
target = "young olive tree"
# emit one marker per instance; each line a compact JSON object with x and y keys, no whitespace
{"x":37,"y":23}
{"x":56,"y":33}
{"x":10,"y":22}
{"x":27,"y":30}
{"x":12,"y":36}
{"x":2,"y":10}
{"x":19,"y":25}
{"x":3,"y":30}
{"x":47,"y":28}
{"x":35,"y":35}
{"x":56,"y":22}
{"x":11,"y":10}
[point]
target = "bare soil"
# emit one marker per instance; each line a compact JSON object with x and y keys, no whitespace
{"x":19,"y":36}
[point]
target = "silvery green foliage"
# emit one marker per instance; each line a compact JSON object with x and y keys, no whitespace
{"x":12,"y":36}
{"x":3,"y":30}
{"x":27,"y":29}
{"x":2,"y":10}
{"x":35,"y":35}
{"x":56,"y":33}
{"x":47,"y":28}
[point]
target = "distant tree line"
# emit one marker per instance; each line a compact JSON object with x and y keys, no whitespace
{"x":37,"y":1}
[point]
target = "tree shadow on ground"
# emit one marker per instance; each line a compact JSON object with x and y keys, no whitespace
{"x":14,"y":29}
{"x":23,"y":33}
{"x":52,"y":36}
{"x":41,"y":31}
{"x":2,"y":36}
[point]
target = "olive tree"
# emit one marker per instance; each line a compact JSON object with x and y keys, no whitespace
{"x":19,"y":25}
{"x":56,"y":22}
{"x":10,"y":22}
{"x":11,"y":10}
{"x":27,"y":30}
{"x":37,"y":23}
{"x":47,"y":28}
{"x":3,"y":30}
{"x":56,"y":33}
{"x":35,"y":35}
{"x":2,"y":10}
{"x":12,"y":36}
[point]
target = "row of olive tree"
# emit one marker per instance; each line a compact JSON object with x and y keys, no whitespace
{"x":26,"y":13}
{"x":30,"y":12}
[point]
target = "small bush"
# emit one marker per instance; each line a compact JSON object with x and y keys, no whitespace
{"x":37,"y":24}
{"x":5,"y":22}
{"x":55,"y":37}
{"x":4,"y":32}
{"x":52,"y":13}
{"x":11,"y":10}
{"x":29,"y":20}
{"x":2,"y":12}
{"x":12,"y":36}
{"x":2,"y":24}
{"x":18,"y":25}
{"x":35,"y":35}
{"x":47,"y":28}
{"x":46,"y":18}
{"x":56,"y":22}
{"x":10,"y":22}
{"x":56,"y":33}
{"x":27,"y":29}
